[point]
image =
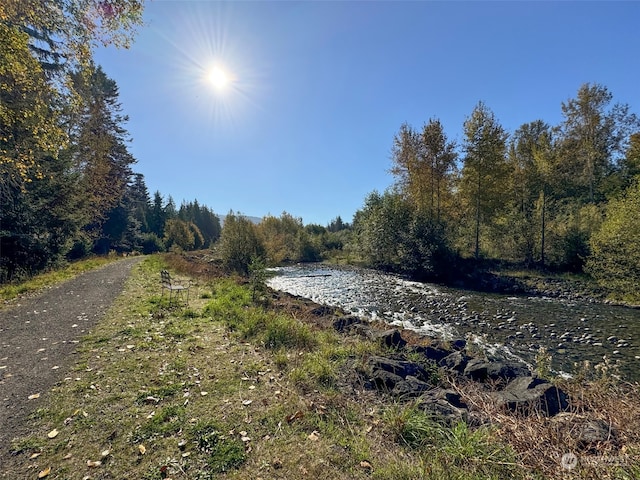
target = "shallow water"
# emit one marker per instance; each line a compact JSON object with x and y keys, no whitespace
{"x":504,"y":326}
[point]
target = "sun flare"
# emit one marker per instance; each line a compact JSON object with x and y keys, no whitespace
{"x":218,"y":78}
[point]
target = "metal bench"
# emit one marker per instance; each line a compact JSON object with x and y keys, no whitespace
{"x":176,"y":291}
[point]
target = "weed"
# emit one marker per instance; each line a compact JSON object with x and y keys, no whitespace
{"x":223,"y":453}
{"x":167,"y":421}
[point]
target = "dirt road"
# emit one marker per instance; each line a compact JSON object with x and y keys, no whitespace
{"x":38,"y":337}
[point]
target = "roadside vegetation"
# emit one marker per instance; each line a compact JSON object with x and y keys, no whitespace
{"x":239,"y":385}
{"x":10,"y":291}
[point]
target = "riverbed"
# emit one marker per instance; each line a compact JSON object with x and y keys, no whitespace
{"x":504,"y":326}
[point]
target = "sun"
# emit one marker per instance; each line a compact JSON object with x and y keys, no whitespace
{"x":219,"y":78}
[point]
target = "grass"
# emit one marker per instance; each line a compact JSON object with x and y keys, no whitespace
{"x":229,"y":389}
{"x":11,"y":291}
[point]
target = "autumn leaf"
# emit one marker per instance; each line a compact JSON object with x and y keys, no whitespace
{"x":366,"y":465}
{"x":313,"y":436}
{"x":142,"y":449}
{"x":44,"y":472}
{"x":294,"y":416}
{"x":53,"y":433}
{"x":247,"y":402}
{"x":93,"y":464}
{"x":34,"y":396}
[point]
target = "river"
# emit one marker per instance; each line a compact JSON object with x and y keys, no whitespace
{"x":508,"y":326}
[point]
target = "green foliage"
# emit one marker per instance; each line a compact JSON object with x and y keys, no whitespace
{"x":394,"y":235}
{"x":223,"y":453}
{"x":151,"y":243}
{"x":182,"y":235}
{"x":239,"y":244}
{"x":484,"y":173}
{"x":615,"y":257}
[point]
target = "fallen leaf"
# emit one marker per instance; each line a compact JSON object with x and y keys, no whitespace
{"x":313,"y":436}
{"x":366,"y":465}
{"x":247,"y":402}
{"x":93,"y":464}
{"x":34,"y":396}
{"x":142,"y":449}
{"x":245,"y":439}
{"x":67,"y":456}
{"x":186,"y":454}
{"x":204,"y":393}
{"x":53,"y":433}
{"x":44,"y":472}
{"x":35,"y":455}
{"x":294,"y":416}
{"x":105,"y":453}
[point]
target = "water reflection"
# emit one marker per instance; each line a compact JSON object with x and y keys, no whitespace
{"x":511,"y":326}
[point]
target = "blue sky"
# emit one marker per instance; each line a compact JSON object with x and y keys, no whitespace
{"x":319,"y":88}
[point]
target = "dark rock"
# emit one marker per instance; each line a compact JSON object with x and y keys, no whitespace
{"x":456,"y":361}
{"x":446,"y":405}
{"x":397,"y":367}
{"x":527,"y":395}
{"x":384,"y":380}
{"x":459,"y":344}
{"x":410,"y":387}
{"x":435,"y":353}
{"x":594,"y":432}
{"x":343,"y":324}
{"x":362,"y":329}
{"x":482,"y":370}
{"x":389,"y":338}
{"x":323,"y":310}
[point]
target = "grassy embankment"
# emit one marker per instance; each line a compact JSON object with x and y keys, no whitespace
{"x":229,"y":389}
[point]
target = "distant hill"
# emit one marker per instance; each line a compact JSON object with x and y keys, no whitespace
{"x":255,"y":220}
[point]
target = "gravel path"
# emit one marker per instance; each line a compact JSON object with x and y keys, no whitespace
{"x":38,"y":337}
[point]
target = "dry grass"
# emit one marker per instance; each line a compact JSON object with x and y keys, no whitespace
{"x":229,"y":389}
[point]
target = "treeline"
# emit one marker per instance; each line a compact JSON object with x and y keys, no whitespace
{"x":67,"y":184}
{"x":563,"y":197}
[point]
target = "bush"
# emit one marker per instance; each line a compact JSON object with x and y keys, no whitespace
{"x":151,"y":243}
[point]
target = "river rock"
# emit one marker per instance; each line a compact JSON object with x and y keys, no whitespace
{"x":446,"y":405}
{"x":591,"y":433}
{"x":528,"y":395}
{"x":389,"y":338}
{"x":456,"y":361}
{"x":388,"y":373}
{"x":344,"y":324}
{"x":435,"y":354}
{"x":410,"y":387}
{"x":482,"y":371}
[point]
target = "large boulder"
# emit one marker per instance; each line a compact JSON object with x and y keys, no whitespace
{"x":398,"y":377}
{"x":527,"y":395}
{"x":456,"y":362}
{"x":446,"y":406}
{"x":389,"y":338}
{"x":410,"y":387}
